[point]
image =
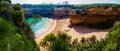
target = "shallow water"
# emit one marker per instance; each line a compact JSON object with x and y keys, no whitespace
{"x":37,"y":24}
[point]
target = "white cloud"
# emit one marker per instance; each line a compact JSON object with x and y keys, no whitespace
{"x":60,"y":1}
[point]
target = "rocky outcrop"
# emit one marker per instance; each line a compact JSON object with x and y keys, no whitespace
{"x":61,"y":11}
{"x":94,"y":15}
{"x":41,"y":11}
{"x":57,"y":12}
{"x":28,"y":12}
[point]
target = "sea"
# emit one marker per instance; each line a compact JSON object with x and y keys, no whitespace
{"x":37,"y":24}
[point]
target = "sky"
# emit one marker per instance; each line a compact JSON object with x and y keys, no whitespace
{"x":60,"y":1}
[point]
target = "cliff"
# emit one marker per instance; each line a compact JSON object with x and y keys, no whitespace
{"x":61,"y":11}
{"x":15,"y":33}
{"x":28,"y":12}
{"x":94,"y":15}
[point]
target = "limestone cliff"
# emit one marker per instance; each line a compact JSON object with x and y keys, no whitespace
{"x":94,"y":15}
{"x":61,"y":11}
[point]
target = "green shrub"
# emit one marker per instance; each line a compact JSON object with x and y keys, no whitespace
{"x":12,"y":39}
{"x":6,"y":10}
{"x":59,"y":46}
{"x":17,"y":7}
{"x":75,"y":41}
{"x":37,"y":16}
{"x":18,"y":18}
{"x":63,"y":36}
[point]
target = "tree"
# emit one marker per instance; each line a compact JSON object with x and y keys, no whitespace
{"x":113,"y":38}
{"x":6,"y":10}
{"x":83,"y":40}
{"x":59,"y":46}
{"x":18,"y":15}
{"x":75,"y":41}
{"x":5,"y":28}
{"x":56,"y":43}
{"x":13,"y":37}
{"x":6,"y":1}
{"x":17,"y":7}
{"x":64,"y":37}
{"x":111,"y":47}
{"x":50,"y":38}
{"x":43,"y":43}
{"x":18,"y":18}
{"x":65,"y":2}
{"x":93,"y":38}
{"x":37,"y":16}
{"x":111,"y":43}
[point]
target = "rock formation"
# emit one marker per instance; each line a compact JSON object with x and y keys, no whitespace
{"x":94,"y":15}
{"x":61,"y":11}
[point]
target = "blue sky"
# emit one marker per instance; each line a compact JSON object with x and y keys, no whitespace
{"x":60,"y":1}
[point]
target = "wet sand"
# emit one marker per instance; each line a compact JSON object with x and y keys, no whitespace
{"x":48,"y":29}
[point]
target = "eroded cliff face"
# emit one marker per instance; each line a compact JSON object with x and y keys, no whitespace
{"x":61,"y":11}
{"x":94,"y":15}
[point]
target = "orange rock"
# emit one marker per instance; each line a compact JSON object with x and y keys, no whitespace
{"x":94,"y":15}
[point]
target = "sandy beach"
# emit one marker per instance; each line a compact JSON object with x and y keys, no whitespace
{"x":48,"y":29}
{"x":56,"y":25}
{"x":79,"y":31}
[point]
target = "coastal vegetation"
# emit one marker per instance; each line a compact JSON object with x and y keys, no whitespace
{"x":16,"y":34}
{"x":37,"y":16}
{"x":95,"y":5}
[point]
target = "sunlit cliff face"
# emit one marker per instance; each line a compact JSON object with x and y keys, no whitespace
{"x":61,"y":1}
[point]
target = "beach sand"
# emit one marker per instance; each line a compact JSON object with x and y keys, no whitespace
{"x":48,"y":29}
{"x":78,"y":31}
{"x":56,"y":25}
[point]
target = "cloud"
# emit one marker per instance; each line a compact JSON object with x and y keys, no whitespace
{"x":60,"y":1}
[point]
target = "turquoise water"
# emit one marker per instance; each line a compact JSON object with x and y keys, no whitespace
{"x":37,"y":24}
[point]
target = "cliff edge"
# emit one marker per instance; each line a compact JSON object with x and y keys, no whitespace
{"x":94,"y":15}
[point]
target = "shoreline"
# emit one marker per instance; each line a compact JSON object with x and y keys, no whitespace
{"x":56,"y":25}
{"x":78,"y":31}
{"x":48,"y":29}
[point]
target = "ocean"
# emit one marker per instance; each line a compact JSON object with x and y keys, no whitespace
{"x":37,"y":24}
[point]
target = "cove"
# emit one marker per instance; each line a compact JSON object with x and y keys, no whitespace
{"x":37,"y":24}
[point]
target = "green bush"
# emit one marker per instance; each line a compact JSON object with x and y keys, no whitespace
{"x":63,"y":36}
{"x":6,"y":1}
{"x":75,"y":41}
{"x":6,"y":10}
{"x":17,"y":7}
{"x":5,"y":28}
{"x":16,"y":35}
{"x":50,"y":37}
{"x":37,"y":16}
{"x":12,"y":39}
{"x":59,"y":45}
{"x":18,"y":18}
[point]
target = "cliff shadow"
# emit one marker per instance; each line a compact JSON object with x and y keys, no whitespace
{"x":59,"y":17}
{"x":85,"y":30}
